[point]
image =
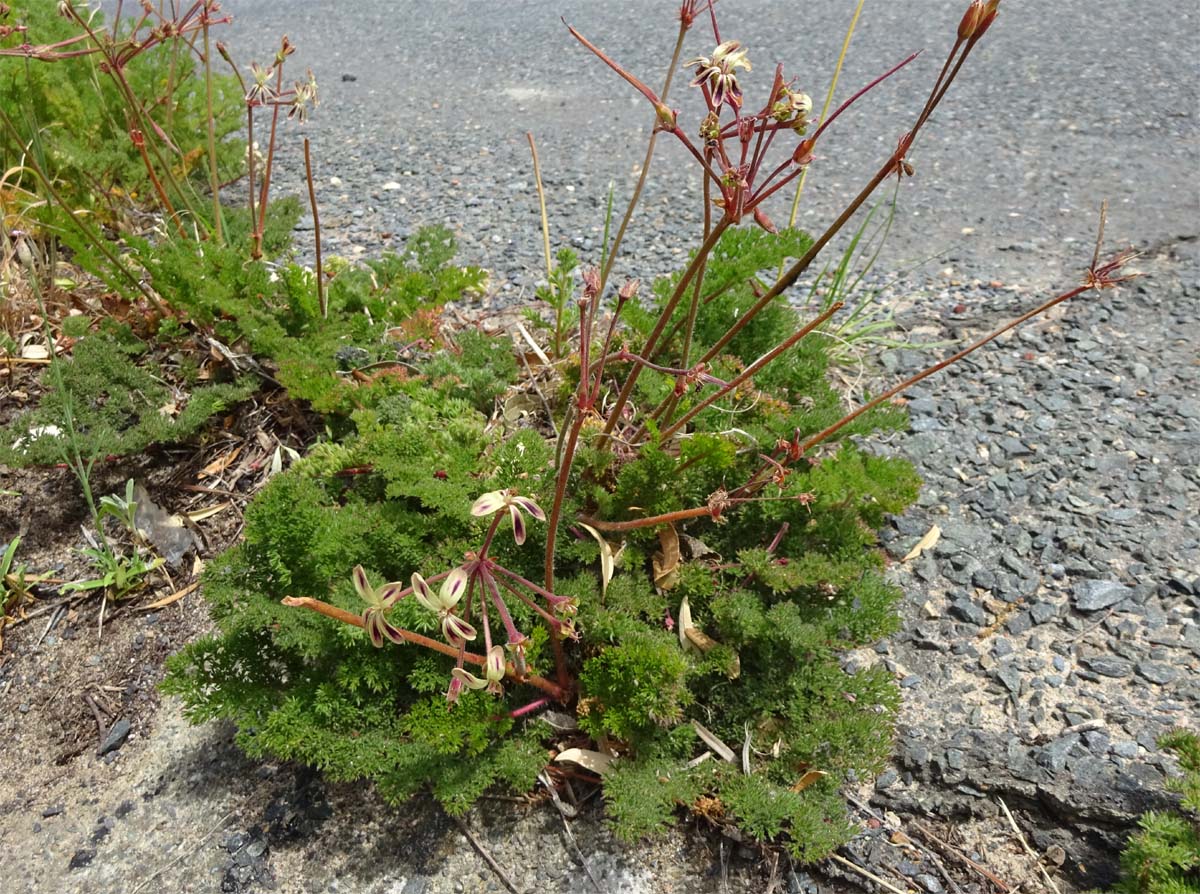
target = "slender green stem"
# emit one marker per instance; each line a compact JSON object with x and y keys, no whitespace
{"x":837,"y":73}
{"x":312,"y":200}
{"x":214,"y":182}
{"x":541,"y":194}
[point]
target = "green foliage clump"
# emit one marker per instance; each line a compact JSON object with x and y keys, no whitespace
{"x":779,"y":588}
{"x":119,"y":406}
{"x":74,"y":115}
{"x":274,"y":313}
{"x":1163,"y":857}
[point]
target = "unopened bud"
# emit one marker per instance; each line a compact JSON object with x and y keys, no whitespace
{"x":760,"y":218}
{"x":803,"y":154}
{"x":628,"y":290}
{"x":667,"y":117}
{"x":989,"y":16}
{"x":970,"y":20}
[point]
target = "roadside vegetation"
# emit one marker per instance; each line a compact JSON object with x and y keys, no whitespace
{"x":630,"y":546}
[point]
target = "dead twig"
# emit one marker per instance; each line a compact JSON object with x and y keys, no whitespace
{"x":563,"y":811}
{"x":101,"y":726}
{"x":58,"y":613}
{"x":866,"y":808}
{"x":950,"y":850}
{"x":199,"y":844}
{"x":849,"y":864}
{"x":487,"y":858}
{"x":1030,"y":851}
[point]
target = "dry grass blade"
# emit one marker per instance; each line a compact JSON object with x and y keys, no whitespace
{"x":1024,"y":844}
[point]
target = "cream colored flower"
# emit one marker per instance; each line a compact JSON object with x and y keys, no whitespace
{"x":718,"y":72}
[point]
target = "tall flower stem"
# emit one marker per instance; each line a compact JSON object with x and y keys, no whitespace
{"x":664,"y":319}
{"x":890,"y":166}
{"x":214,"y":182}
{"x":645,"y":172}
{"x":751,"y":370}
{"x":312,"y":200}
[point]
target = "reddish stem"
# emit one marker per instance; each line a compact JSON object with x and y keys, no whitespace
{"x":558,"y":693}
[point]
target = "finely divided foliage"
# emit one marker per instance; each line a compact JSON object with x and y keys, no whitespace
{"x":691,"y":507}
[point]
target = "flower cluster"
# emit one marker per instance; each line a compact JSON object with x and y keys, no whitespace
{"x":479,"y":585}
{"x":717,"y":74}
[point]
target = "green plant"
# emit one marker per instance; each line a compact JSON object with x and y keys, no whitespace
{"x":116,"y":405}
{"x":694,"y":433}
{"x":15,"y":580}
{"x":110,"y":108}
{"x":1163,"y":857}
{"x":118,"y":575}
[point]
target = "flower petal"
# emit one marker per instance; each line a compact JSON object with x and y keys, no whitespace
{"x":531,"y":507}
{"x":495,"y":664}
{"x":370,"y":622}
{"x":489,"y":503}
{"x":423,"y":593}
{"x":389,"y":593}
{"x":518,"y":521}
{"x":363,"y":586}
{"x":453,"y":588}
{"x":456,"y":630}
{"x":391,"y":631}
{"x":467,"y":678}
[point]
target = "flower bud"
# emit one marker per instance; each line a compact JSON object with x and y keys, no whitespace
{"x":591,"y":284}
{"x":760,"y":218}
{"x":803,"y":154}
{"x":667,"y":117}
{"x":970,"y":20}
{"x":989,"y":16}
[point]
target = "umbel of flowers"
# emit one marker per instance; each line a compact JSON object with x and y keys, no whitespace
{"x":470,"y":594}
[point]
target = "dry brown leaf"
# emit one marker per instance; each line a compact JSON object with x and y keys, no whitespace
{"x":35,"y":352}
{"x":608,"y":559}
{"x":705,"y":643}
{"x":596,"y":761}
{"x":700,"y":639}
{"x":220,"y":464}
{"x":807,"y":779}
{"x":685,"y":622}
{"x":666,"y":559}
{"x":928,"y":542}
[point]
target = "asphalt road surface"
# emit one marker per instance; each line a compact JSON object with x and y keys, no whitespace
{"x":1061,"y":105}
